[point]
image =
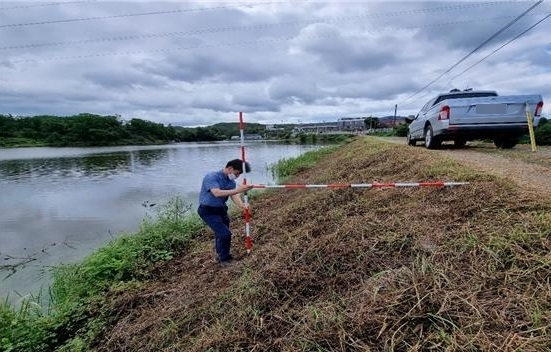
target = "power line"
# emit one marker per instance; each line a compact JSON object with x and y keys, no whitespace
{"x":69,"y":20}
{"x":45,"y":4}
{"x":134,"y":52}
{"x":239,"y":28}
{"x":502,"y":46}
{"x":474,"y":50}
{"x":257,"y":41}
{"x":151,"y":13}
{"x":203,"y":46}
{"x":405,"y":12}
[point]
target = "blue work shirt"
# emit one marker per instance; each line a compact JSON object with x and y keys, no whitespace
{"x":215,"y":179}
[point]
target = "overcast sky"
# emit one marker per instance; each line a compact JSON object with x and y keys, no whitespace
{"x":199,"y":63}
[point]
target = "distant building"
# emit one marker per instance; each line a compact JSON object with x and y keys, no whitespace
{"x":273,"y":128}
{"x":351,"y":123}
{"x":316,"y":127}
{"x":252,"y":136}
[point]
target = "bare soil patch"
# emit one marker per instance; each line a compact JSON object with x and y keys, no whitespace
{"x":528,"y":169}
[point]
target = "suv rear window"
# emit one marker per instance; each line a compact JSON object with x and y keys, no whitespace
{"x":465,"y":95}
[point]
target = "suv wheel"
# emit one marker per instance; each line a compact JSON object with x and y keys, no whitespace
{"x":431,"y":142}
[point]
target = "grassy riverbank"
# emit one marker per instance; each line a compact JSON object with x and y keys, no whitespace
{"x":76,"y":296}
{"x":20,"y":143}
{"x":67,"y":322}
{"x":463,"y":268}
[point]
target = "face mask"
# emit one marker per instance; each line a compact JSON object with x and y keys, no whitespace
{"x":232,"y":176}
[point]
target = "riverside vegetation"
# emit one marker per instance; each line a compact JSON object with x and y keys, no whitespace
{"x":86,"y":130}
{"x":457,"y":269}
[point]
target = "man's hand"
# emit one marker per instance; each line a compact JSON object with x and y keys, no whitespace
{"x":243,"y":188}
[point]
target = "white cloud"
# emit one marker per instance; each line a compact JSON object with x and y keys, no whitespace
{"x":194,"y":63}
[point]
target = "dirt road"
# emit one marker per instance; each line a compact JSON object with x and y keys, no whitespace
{"x":530,"y":170}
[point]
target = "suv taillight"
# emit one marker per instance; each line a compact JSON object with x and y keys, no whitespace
{"x":539,"y":107}
{"x":444,"y":113}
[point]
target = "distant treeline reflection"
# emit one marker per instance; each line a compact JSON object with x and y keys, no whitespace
{"x":96,"y":165}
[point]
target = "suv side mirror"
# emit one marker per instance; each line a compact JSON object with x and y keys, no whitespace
{"x":410,"y":119}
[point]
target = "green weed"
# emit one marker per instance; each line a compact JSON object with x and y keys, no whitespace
{"x":287,"y":167}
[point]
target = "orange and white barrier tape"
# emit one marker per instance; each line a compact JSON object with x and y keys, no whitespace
{"x":365,"y":185}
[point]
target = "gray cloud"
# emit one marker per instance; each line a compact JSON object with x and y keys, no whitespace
{"x":200,"y":63}
{"x":122,"y":78}
{"x":346,"y":54}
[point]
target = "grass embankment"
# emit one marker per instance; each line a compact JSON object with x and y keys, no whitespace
{"x":464,"y":268}
{"x":20,"y":143}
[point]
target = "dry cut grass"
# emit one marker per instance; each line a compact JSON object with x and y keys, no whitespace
{"x":446,"y":269}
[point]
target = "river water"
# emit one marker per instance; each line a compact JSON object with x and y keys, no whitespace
{"x":59,"y":204}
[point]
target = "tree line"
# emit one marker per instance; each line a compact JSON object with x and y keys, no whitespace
{"x":95,"y":130}
{"x":85,"y":130}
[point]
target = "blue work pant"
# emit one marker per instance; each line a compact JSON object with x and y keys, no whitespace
{"x":219,"y":222}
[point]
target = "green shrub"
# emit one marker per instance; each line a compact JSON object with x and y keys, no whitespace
{"x":401,"y":130}
{"x":287,"y":167}
{"x":543,"y":132}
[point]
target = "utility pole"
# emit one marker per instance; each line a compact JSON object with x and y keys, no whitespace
{"x":394,"y":121}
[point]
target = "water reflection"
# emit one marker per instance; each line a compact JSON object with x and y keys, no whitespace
{"x":97,"y":165}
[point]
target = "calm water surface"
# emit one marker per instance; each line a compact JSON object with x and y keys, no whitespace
{"x":59,"y":204}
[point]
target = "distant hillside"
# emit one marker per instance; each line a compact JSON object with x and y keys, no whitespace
{"x":390,"y":120}
{"x":232,"y":128}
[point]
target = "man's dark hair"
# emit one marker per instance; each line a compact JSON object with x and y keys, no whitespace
{"x":237,"y":164}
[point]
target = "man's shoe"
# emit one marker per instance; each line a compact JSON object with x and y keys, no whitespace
{"x":228,"y":262}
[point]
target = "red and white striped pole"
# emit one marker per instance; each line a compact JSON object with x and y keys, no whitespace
{"x":366,"y":185}
{"x":248,"y":240}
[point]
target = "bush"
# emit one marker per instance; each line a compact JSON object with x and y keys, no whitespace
{"x":543,"y":132}
{"x":401,"y":130}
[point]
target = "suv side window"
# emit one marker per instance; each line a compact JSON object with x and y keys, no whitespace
{"x":427,"y":106}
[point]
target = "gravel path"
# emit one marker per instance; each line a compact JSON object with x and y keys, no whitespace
{"x":530,"y":170}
